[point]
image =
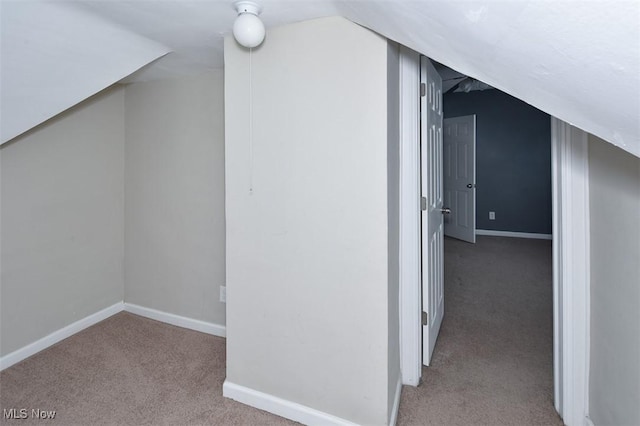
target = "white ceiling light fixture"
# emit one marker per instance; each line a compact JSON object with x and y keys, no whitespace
{"x":248,"y":29}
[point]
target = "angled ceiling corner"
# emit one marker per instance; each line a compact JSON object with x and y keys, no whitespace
{"x":54,"y":56}
{"x":577,"y":61}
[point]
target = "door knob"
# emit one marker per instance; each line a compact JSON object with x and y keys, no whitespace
{"x":470,"y":185}
{"x":445,"y":210}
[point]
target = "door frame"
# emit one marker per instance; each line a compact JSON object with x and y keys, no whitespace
{"x":571,"y":271}
{"x":410,"y":250}
{"x":571,"y":251}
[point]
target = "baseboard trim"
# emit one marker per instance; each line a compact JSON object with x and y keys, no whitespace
{"x":492,"y":233}
{"x":280,"y":407}
{"x":68,"y":331}
{"x":61,"y":334}
{"x":396,"y":403}
{"x":177,"y":320}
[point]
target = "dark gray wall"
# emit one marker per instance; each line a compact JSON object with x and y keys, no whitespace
{"x":513,"y":160}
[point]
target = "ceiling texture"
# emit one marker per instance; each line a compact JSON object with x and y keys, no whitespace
{"x":576,"y":60}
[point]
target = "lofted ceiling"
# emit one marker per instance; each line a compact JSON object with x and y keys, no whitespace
{"x":576,"y":60}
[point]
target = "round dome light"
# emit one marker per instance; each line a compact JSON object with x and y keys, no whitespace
{"x":248,"y":29}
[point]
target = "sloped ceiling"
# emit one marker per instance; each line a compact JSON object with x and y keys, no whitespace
{"x":576,"y":60}
{"x":54,"y":56}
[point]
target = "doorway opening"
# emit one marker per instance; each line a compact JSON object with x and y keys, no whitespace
{"x":570,"y":251}
{"x":496,"y":342}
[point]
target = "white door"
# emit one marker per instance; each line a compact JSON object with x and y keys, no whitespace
{"x":460,"y":177}
{"x":432,"y":209}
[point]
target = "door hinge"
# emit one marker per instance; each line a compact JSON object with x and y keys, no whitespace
{"x":425,"y":318}
{"x":423,"y":89}
{"x":423,"y":203}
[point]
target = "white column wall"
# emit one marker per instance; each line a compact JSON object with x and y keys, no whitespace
{"x":307,"y":218}
{"x":614,"y":189}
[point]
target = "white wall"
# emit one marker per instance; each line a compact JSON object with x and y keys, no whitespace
{"x":614,"y":180}
{"x":61,"y":221}
{"x":393,"y":216}
{"x":308,"y":249}
{"x":174,"y":202}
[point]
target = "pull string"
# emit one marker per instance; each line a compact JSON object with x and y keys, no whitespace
{"x":250,"y":122}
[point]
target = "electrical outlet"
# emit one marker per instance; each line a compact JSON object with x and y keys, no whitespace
{"x":492,"y":215}
{"x":223,"y":294}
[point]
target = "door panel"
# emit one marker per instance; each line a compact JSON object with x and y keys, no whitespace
{"x":432,"y":217}
{"x":462,"y":204}
{"x":460,"y":180}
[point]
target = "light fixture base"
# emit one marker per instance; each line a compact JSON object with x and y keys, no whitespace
{"x":243,"y":6}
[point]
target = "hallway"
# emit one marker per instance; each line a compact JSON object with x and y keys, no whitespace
{"x":493,"y":362}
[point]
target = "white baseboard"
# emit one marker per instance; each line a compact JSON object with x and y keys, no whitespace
{"x":396,"y":403}
{"x":280,"y":407}
{"x":492,"y":233}
{"x":177,"y":320}
{"x":68,"y":331}
{"x":53,"y":338}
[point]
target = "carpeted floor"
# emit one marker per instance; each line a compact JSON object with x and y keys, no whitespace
{"x":492,"y":363}
{"x":129,"y":370}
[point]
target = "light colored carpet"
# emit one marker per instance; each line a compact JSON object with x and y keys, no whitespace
{"x":129,"y":370}
{"x":492,"y":363}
